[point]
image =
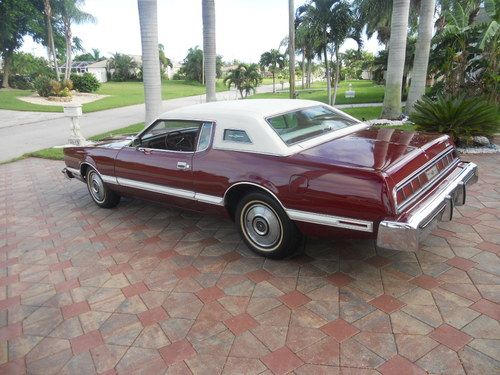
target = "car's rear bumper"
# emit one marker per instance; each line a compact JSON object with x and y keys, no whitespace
{"x":406,"y":235}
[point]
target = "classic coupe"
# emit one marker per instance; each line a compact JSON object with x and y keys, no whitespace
{"x":283,"y":169}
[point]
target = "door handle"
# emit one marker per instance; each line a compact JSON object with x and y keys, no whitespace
{"x":182,"y":165}
{"x":146,"y":151}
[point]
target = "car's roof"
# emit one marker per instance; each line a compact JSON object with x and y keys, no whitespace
{"x":249,"y":116}
{"x":256,"y":107}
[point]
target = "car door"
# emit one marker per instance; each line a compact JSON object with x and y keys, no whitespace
{"x":159,"y":173}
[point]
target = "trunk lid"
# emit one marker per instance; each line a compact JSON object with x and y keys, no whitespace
{"x":380,"y":149}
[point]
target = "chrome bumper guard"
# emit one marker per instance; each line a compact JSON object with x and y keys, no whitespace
{"x":406,"y":235}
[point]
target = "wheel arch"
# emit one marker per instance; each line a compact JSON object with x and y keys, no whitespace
{"x":84,"y":167}
{"x":235,"y":192}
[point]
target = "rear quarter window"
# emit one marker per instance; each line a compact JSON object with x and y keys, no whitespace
{"x":235,"y":135}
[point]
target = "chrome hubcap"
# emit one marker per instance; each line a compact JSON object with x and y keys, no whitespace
{"x":96,"y":187}
{"x":262,"y":225}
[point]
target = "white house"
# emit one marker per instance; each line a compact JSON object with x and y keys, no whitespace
{"x":99,"y":70}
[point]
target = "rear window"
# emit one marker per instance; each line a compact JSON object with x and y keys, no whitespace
{"x":307,"y":123}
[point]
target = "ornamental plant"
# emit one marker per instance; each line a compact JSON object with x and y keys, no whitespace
{"x":461,"y":117}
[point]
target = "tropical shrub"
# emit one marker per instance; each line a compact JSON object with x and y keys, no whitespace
{"x":123,"y":67}
{"x":42,"y":86}
{"x":461,"y":117}
{"x":61,"y":88}
{"x":245,"y":78}
{"x":46,"y":87}
{"x":192,"y":66}
{"x":86,"y":82}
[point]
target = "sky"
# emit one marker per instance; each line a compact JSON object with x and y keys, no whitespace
{"x":244,"y":28}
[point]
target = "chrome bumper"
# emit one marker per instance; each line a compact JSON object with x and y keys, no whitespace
{"x":422,"y":219}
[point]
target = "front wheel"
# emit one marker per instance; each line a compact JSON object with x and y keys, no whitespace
{"x":102,"y":195}
{"x":265,"y":227}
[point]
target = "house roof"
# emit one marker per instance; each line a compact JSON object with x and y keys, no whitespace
{"x":98,"y":64}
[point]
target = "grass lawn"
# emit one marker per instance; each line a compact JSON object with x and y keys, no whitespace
{"x":366,"y":92}
{"x":121,"y":95}
{"x":364,"y":113}
{"x":8,"y":100}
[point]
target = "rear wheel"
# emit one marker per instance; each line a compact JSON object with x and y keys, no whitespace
{"x":265,"y":227}
{"x":100,"y":193}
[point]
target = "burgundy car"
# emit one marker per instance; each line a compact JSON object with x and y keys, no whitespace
{"x":282,"y":169}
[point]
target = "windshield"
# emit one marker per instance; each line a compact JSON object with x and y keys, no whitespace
{"x":308,"y":123}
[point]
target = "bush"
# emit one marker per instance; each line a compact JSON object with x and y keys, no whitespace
{"x":21,"y":82}
{"x":460,"y":117}
{"x":46,"y":87}
{"x":85,"y":83}
{"x":43,"y":86}
{"x":61,"y":89}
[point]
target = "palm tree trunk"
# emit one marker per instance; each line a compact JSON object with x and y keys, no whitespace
{"x":274,"y":83}
{"x":422,"y":50}
{"x":148,"y":20}
{"x":337,"y":74}
{"x":50,"y":37}
{"x":7,"y":58}
{"x":68,"y":37}
{"x":291,"y":46}
{"x":309,"y":73}
{"x":328,"y":78}
{"x":209,"y":50}
{"x":303,"y":67}
{"x":396,"y":60}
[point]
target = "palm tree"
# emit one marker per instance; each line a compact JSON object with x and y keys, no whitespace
{"x":396,"y":60}
{"x":304,"y":41}
{"x":342,"y":29}
{"x":376,"y":15}
{"x":422,"y":50}
{"x":50,"y":38}
{"x":316,"y":14}
{"x":245,"y":78}
{"x":274,"y":61}
{"x":331,"y":23}
{"x":291,"y":47}
{"x":96,"y":54}
{"x":71,"y":14}
{"x":148,"y":20}
{"x":209,"y":48}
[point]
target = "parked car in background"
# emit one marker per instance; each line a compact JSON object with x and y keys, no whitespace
{"x":282,"y":169}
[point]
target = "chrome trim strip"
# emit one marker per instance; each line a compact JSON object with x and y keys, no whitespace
{"x":156,"y":188}
{"x":210,"y":199}
{"x":109,"y":179}
{"x":330,"y":220}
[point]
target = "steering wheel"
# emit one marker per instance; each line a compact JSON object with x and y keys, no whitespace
{"x":172,"y":144}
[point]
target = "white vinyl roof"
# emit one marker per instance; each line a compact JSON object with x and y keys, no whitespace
{"x":250,"y":116}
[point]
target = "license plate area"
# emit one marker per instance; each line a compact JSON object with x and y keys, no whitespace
{"x":431,"y":172}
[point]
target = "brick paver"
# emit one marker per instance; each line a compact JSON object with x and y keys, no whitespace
{"x":142,"y":288}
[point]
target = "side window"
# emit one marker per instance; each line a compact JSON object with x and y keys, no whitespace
{"x":205,"y":135}
{"x":163,"y":127}
{"x":235,"y":135}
